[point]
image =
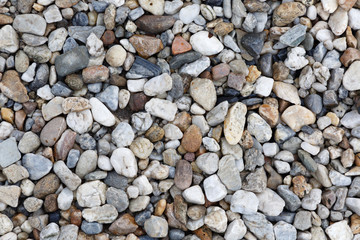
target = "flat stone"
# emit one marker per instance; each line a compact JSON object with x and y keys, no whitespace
{"x":91,"y":194}
{"x":118,"y":198}
{"x":228,"y":173}
{"x":52,"y":131}
{"x":270,"y":203}
{"x":101,"y":113}
{"x":104,"y":214}
{"x":10,"y":195}
{"x":234,"y":123}
{"x":214,"y":189}
{"x":339,"y":230}
{"x":95,"y":74}
{"x":207,"y":98}
{"x":12,"y":87}
{"x":154,"y":24}
{"x":184,"y":58}
{"x":72,"y":61}
{"x":15,"y":173}
{"x":158,"y":85}
{"x":81,"y":33}
{"x":259,"y":226}
{"x":294,"y":36}
{"x":37,"y":165}
{"x":183,"y":175}
{"x":10,"y":153}
{"x":143,"y":68}
{"x":30,"y":23}
{"x":64,"y":144}
{"x":195,"y":68}
{"x":6,"y":225}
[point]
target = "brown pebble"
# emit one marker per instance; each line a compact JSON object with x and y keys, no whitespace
{"x":154,"y":24}
{"x":50,"y":203}
{"x":220,"y":71}
{"x":8,"y":115}
{"x":183,"y":174}
{"x":84,"y":236}
{"x":172,"y":221}
{"x":300,"y":186}
{"x":66,"y":3}
{"x":101,"y":236}
{"x":349,"y":56}
{"x":280,"y":71}
{"x":205,"y":74}
{"x":39,"y":123}
{"x":180,"y":208}
{"x":137,"y":102}
{"x":204,"y":233}
{"x":275,"y":179}
{"x":146,"y":46}
{"x":223,"y":28}
{"x":20,"y":117}
{"x":108,"y":37}
{"x":124,"y":225}
{"x":355,"y":224}
{"x":52,"y":131}
{"x":29,"y":107}
{"x":155,"y":133}
{"x":160,"y":207}
{"x":287,"y":12}
{"x":47,"y":185}
{"x":18,"y":219}
{"x":192,"y":138}
{"x":76,"y":217}
{"x":5,"y":19}
{"x":254,"y":73}
{"x":12,"y":87}
{"x":179,"y":45}
{"x":182,"y":120}
{"x":117,"y":80}
{"x":351,"y":41}
{"x":270,"y":114}
{"x":95,"y":74}
{"x":246,"y":140}
{"x":65,"y":143}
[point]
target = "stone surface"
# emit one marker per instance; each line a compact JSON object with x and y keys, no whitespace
{"x":234,"y":123}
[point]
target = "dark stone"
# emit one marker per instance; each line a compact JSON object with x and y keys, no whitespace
{"x":41,"y":78}
{"x":54,"y":217}
{"x":330,"y":99}
{"x":307,"y":129}
{"x":307,"y":160}
{"x":115,"y":180}
{"x":335,"y":79}
{"x":81,"y":33}
{"x":137,"y":102}
{"x":154,"y":24}
{"x":214,"y":2}
{"x":252,"y":101}
{"x":343,"y":93}
{"x":72,"y":61}
{"x":319,"y":52}
{"x":292,"y":202}
{"x":314,"y":103}
{"x":266,"y":64}
{"x":80,"y":19}
{"x":61,"y":89}
{"x":177,"y":90}
{"x":141,"y":217}
{"x":143,"y":68}
{"x":99,"y":6}
{"x":284,"y":216}
{"x":253,"y":43}
{"x":181,"y":59}
{"x":231,"y":92}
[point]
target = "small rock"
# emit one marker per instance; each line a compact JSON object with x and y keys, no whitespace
{"x":234,"y":123}
{"x":101,"y":114}
{"x":30,"y":23}
{"x":37,"y":165}
{"x":156,"y":227}
{"x":124,"y":162}
{"x":214,"y":189}
{"x":206,"y":44}
{"x":244,"y":202}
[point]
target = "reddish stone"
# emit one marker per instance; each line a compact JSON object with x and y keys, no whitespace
{"x":204,"y":233}
{"x":220,"y":71}
{"x":20,"y":117}
{"x":349,"y":56}
{"x":124,"y":225}
{"x":180,"y":45}
{"x":189,"y":157}
{"x":65,"y":143}
{"x":146,"y":46}
{"x":39,"y":123}
{"x":29,"y":107}
{"x":117,"y":80}
{"x":12,"y":87}
{"x":108,"y":37}
{"x":205,"y":74}
{"x":137,"y":102}
{"x":192,"y":139}
{"x":270,"y":114}
{"x":76,"y":217}
{"x":95,"y":74}
{"x":182,"y":121}
{"x":236,"y":81}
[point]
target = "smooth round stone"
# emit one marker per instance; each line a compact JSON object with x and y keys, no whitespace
{"x":87,"y":163}
{"x":30,"y":23}
{"x":65,"y":199}
{"x":124,"y":162}
{"x":192,"y":139}
{"x":80,"y":122}
{"x":214,"y":189}
{"x":194,"y":195}
{"x":116,"y":56}
{"x":37,"y":165}
{"x":314,"y":103}
{"x":244,"y":202}
{"x":183,"y":174}
{"x":208,"y":162}
{"x":141,"y":147}
{"x":91,"y":227}
{"x":29,"y":142}
{"x":100,"y":113}
{"x":270,"y":203}
{"x":156,"y":7}
{"x":6,"y":224}
{"x":204,"y":44}
{"x":117,"y":198}
{"x":297,"y":116}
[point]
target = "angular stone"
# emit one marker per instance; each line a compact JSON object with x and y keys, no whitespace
{"x":124,"y":225}
{"x":81,"y":33}
{"x":10,"y":195}
{"x":72,"y":61}
{"x":259,"y":226}
{"x":65,"y":143}
{"x":229,"y":173}
{"x":146,"y":46}
{"x":9,"y":40}
{"x":104,"y":214}
{"x":205,"y":43}
{"x":9,"y":153}
{"x":143,"y":68}
{"x":184,"y":58}
{"x":294,"y":36}
{"x":287,"y":12}
{"x":12,"y":87}
{"x":37,"y":165}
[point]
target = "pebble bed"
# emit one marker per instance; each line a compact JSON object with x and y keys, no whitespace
{"x":148,"y":119}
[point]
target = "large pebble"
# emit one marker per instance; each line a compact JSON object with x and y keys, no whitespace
{"x":205,"y":43}
{"x":350,"y":81}
{"x":214,"y":189}
{"x":30,"y":23}
{"x":158,"y":85}
{"x":72,"y":61}
{"x":297,"y":116}
{"x":234,"y":123}
{"x":101,"y":113}
{"x":161,"y":108}
{"x":156,"y":227}
{"x":124,"y":162}
{"x":37,"y":165}
{"x":122,"y":135}
{"x":203,"y":92}
{"x":91,"y":194}
{"x":80,"y":122}
{"x":9,"y":40}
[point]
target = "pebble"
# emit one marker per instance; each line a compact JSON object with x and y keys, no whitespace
{"x":118,"y":158}
{"x":12,"y":87}
{"x":72,"y":61}
{"x":194,"y":195}
{"x":303,"y":117}
{"x":205,"y":44}
{"x":9,"y":195}
{"x":259,"y":226}
{"x":287,"y":12}
{"x":234,"y":123}
{"x":37,"y":165}
{"x":214,"y":189}
{"x":207,"y":98}
{"x":339,"y":230}
{"x":156,"y":227}
{"x":189,"y":13}
{"x":161,"y":108}
{"x":101,"y":113}
{"x":259,"y":128}
{"x":9,"y":41}
{"x":122,"y":135}
{"x":284,"y":230}
{"x":6,"y":224}
{"x":30,"y":23}
{"x":158,"y":85}
{"x":71,"y":180}
{"x":80,"y":122}
{"x":244,"y":202}
{"x":270,"y":203}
